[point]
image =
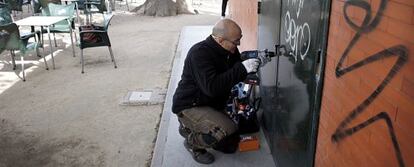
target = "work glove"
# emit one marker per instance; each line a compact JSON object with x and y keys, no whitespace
{"x":251,"y":65}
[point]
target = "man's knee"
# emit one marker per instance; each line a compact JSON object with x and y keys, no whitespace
{"x":207,"y":140}
{"x":214,"y":136}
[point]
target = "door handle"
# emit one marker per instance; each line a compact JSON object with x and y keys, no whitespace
{"x":318,"y":66}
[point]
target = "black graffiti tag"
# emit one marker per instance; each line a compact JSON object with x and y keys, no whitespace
{"x":400,"y":51}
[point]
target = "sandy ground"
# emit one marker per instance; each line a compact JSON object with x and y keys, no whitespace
{"x":64,"y":118}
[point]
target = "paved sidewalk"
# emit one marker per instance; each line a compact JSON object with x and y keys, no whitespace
{"x":169,"y":150}
{"x":64,"y":118}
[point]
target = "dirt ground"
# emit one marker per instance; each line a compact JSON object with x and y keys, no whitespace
{"x":61,"y":117}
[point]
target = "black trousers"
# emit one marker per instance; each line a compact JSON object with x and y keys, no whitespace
{"x":223,"y":7}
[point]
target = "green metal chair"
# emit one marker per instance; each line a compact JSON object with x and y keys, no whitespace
{"x":4,"y":37}
{"x":15,"y":43}
{"x":15,"y":5}
{"x":38,"y":5}
{"x":66,"y":26}
{"x":6,"y":18}
{"x":95,"y":36}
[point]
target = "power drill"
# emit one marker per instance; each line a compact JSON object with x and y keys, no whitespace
{"x":264,"y":56}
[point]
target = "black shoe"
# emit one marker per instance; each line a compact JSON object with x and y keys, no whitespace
{"x":199,"y":155}
{"x":228,"y":145}
{"x":184,"y":132}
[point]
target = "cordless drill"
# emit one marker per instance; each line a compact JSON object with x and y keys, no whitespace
{"x":264,"y":56}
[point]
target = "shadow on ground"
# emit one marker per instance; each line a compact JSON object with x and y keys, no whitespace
{"x":19,"y":148}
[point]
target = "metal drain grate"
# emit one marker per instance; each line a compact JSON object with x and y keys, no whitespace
{"x":144,"y":97}
{"x":139,"y":96}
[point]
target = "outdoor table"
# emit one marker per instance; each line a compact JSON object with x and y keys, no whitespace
{"x":46,"y":21}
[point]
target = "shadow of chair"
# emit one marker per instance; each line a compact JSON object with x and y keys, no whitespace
{"x":15,"y":43}
{"x":65,"y":26}
{"x":95,"y":36}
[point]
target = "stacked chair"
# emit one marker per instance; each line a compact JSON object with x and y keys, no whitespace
{"x":27,"y":3}
{"x":120,"y":1}
{"x":93,"y":6}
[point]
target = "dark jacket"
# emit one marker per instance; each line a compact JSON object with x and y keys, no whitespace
{"x":209,"y":73}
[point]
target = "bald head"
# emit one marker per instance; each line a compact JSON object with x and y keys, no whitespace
{"x":227,"y":34}
{"x":226,"y":28}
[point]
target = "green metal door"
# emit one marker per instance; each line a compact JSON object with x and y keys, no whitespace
{"x":291,"y":85}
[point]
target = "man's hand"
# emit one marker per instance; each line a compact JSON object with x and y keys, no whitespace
{"x":251,"y":65}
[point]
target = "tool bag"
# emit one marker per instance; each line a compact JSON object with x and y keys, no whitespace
{"x":242,"y":107}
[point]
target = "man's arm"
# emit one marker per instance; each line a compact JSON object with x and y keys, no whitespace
{"x":209,"y":80}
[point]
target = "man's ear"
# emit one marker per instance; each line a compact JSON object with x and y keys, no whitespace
{"x":220,"y":39}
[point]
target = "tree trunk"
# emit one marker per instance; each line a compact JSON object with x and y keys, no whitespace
{"x":164,"y":8}
{"x":185,"y":7}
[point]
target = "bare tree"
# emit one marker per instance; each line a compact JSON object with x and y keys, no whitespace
{"x":164,"y":8}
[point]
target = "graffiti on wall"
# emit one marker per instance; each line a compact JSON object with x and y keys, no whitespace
{"x":368,"y":24}
{"x":298,"y":37}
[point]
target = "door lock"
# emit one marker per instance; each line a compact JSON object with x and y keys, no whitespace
{"x":282,"y":51}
